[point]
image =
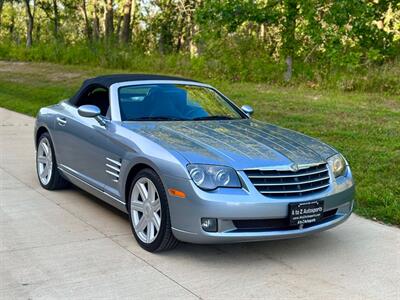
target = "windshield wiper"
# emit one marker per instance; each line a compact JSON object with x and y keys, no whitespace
{"x":159,"y":118}
{"x":213,"y":118}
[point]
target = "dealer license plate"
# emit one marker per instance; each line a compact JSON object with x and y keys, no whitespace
{"x":305,"y":212}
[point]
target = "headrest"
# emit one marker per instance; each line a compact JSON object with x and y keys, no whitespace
{"x":173,"y":95}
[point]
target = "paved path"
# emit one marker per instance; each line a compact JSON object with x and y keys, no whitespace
{"x":67,"y":244}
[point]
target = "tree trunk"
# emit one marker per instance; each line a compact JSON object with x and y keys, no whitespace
{"x":194,"y":51}
{"x":289,"y":38}
{"x":289,"y":68}
{"x":56,"y":19}
{"x":29,"y":24}
{"x":85,"y":17}
{"x":126,"y":25}
{"x":119,"y":22}
{"x":38,"y":32}
{"x":96,"y":22}
{"x":109,"y":19}
{"x":191,"y":27}
{"x":262,"y":32}
{"x":12,"y":25}
{"x":1,"y":9}
{"x":161,"y":47}
{"x":180,"y":41}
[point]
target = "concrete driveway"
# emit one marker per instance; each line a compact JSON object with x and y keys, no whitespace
{"x":68,"y":244}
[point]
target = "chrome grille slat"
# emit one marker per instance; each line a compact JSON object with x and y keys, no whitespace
{"x":296,"y":191}
{"x":291,"y":183}
{"x":285,"y":176}
{"x":286,"y":183}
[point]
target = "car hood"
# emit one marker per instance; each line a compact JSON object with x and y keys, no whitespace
{"x":240,"y":144}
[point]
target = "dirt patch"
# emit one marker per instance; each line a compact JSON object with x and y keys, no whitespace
{"x":21,"y":67}
{"x":44,"y":70}
{"x":393,"y":105}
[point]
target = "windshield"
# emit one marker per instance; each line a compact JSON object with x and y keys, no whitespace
{"x":173,"y":102}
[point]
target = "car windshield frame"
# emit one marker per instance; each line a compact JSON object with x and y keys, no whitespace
{"x":225,"y":100}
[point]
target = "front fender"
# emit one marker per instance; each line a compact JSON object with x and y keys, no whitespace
{"x":163,"y":169}
{"x":45,"y":120}
{"x":140,"y":150}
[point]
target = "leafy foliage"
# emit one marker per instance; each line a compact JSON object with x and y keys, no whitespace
{"x":327,"y":34}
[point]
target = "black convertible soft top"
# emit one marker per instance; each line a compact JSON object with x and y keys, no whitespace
{"x":106,"y":81}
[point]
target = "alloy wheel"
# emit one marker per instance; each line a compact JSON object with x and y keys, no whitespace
{"x":145,"y":210}
{"x":44,"y":161}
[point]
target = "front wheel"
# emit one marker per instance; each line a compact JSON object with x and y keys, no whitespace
{"x":149,"y":212}
{"x":46,"y":165}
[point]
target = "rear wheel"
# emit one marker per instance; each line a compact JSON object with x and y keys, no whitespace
{"x":46,"y":165}
{"x":149,"y":212}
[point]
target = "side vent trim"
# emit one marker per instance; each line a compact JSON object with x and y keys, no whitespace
{"x":118,"y":163}
{"x":113,"y":168}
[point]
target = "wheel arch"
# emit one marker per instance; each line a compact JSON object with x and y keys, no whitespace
{"x":42,"y":129}
{"x":131,"y":175}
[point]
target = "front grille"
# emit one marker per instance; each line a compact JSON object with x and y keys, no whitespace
{"x":273,"y":183}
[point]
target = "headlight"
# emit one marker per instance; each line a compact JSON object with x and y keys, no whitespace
{"x":337,"y":165}
{"x":210,"y":177}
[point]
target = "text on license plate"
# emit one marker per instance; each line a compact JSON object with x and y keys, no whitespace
{"x":305,"y":212}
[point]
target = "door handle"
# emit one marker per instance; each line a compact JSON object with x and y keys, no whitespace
{"x":61,"y":121}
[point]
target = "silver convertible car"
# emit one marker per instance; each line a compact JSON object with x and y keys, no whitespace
{"x":188,"y":165}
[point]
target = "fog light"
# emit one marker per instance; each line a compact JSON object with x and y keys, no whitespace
{"x":209,"y":224}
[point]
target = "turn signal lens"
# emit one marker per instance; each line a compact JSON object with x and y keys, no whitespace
{"x":176,"y":193}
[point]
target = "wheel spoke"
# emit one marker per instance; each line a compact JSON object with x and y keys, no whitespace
{"x":46,"y":170}
{"x":156,"y":205}
{"x":150,"y":231}
{"x":141,"y":225}
{"x":151,"y":191}
{"x":156,"y":221}
{"x":42,"y":159}
{"x":143,"y":191}
{"x":45,"y":148}
{"x":137,"y":205}
{"x":41,"y":171}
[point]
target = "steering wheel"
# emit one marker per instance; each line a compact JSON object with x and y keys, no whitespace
{"x":194,"y":113}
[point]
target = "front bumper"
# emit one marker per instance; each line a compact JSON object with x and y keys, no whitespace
{"x":230,"y":205}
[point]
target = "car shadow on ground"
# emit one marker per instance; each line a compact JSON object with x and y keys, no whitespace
{"x":100,"y":202}
{"x":319,"y":244}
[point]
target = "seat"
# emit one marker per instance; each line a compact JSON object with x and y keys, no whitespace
{"x":167,"y":102}
{"x":100,"y":99}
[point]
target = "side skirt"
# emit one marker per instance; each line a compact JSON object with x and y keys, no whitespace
{"x":94,"y":191}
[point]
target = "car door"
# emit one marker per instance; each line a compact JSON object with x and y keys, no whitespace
{"x":82,"y":141}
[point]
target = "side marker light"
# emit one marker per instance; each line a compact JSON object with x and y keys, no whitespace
{"x":177,"y":193}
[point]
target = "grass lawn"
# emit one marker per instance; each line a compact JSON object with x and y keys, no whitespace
{"x":364,"y":127}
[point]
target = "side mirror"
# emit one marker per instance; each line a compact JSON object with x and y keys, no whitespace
{"x":89,"y":111}
{"x":247,"y":109}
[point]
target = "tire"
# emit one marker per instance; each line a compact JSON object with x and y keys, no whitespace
{"x":144,"y":214}
{"x":54,"y":179}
